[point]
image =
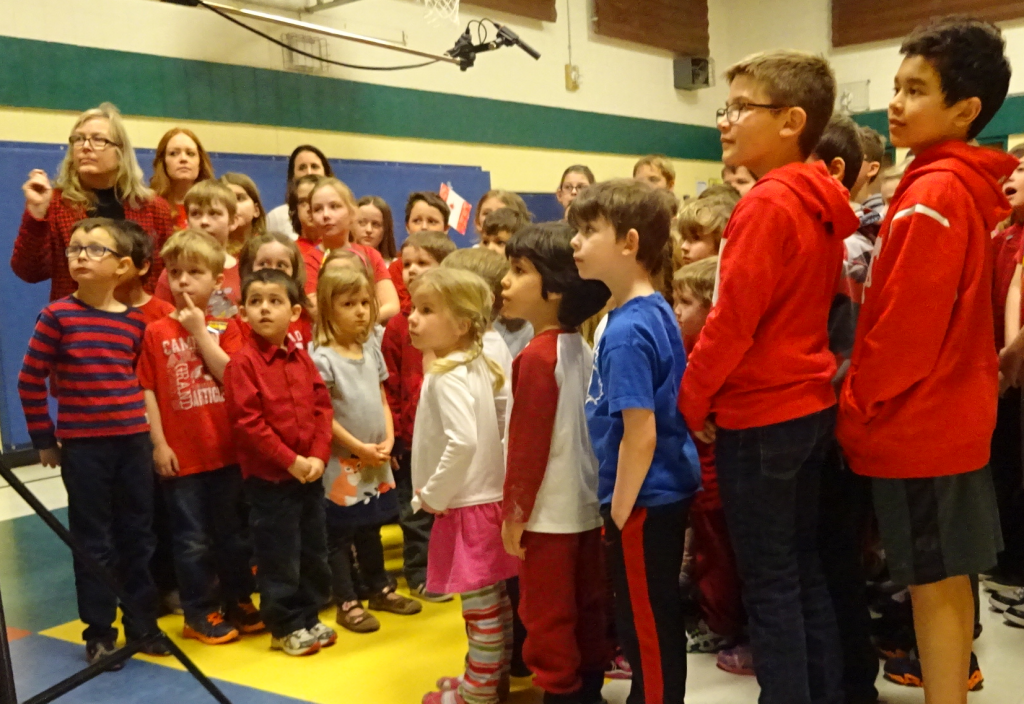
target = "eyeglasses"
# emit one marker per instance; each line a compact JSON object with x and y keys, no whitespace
{"x":574,"y":188}
{"x":732,"y":113}
{"x":96,"y":142}
{"x":96,"y":252}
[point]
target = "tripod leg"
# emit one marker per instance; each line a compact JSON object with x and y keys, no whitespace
{"x":7,"y":693}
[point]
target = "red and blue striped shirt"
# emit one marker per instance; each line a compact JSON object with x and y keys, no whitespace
{"x":91,"y":354}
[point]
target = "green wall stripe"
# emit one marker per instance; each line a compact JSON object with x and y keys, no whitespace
{"x":35,"y":74}
{"x":1008,"y":120}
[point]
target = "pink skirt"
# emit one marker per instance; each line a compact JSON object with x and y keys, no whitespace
{"x":466,"y":552}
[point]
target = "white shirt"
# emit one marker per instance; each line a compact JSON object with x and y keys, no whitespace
{"x":278,"y":220}
{"x":457,"y":455}
{"x":496,"y":349}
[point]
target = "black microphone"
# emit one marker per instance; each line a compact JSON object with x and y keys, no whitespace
{"x":513,"y":38}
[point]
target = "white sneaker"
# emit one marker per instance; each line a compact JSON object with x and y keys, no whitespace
{"x":324,"y":635}
{"x":300,"y":642}
{"x":421,"y":592}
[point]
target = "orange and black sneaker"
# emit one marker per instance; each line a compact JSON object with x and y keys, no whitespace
{"x":245,"y":617}
{"x":212,"y":630}
{"x":907,"y":672}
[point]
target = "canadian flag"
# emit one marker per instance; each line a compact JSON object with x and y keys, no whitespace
{"x":459,"y":218}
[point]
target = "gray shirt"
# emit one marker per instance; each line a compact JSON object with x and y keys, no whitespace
{"x":354,"y":385}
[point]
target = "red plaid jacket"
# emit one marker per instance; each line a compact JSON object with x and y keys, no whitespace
{"x":39,"y":248}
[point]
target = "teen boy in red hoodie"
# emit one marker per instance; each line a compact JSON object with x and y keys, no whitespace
{"x":919,"y":404}
{"x":762,"y":370}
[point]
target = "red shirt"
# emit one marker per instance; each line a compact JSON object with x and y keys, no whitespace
{"x":1006,"y":250}
{"x":405,"y":376}
{"x":154,"y":309}
{"x":279,"y":408}
{"x":313,"y":257}
{"x":763,"y":355}
{"x":193,"y":414}
{"x":920,"y":398}
{"x":239,"y":332}
{"x":39,"y":249}
{"x":404,"y":299}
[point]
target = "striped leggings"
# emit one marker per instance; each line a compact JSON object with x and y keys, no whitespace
{"x":488,"y":616}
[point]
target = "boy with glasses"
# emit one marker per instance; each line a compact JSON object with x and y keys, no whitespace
{"x":101,"y":441}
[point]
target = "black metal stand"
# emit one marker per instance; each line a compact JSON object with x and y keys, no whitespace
{"x":7,"y":691}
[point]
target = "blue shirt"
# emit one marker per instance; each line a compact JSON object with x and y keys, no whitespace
{"x":639,"y":364}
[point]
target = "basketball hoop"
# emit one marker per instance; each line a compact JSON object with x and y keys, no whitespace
{"x":442,"y":10}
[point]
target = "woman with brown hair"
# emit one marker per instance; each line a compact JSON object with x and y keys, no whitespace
{"x":99,"y":177}
{"x":180,"y":163}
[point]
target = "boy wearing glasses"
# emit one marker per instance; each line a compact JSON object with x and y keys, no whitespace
{"x":90,"y":342}
{"x":759,"y":381}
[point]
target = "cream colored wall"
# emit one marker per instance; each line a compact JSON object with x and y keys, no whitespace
{"x":513,"y":168}
{"x":618,"y":78}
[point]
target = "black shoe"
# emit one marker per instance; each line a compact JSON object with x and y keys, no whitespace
{"x":519,"y":669}
{"x":96,"y":650}
{"x":999,"y":581}
{"x":156,"y":648}
{"x":590,"y":692}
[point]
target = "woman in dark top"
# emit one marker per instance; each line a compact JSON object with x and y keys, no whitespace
{"x":99,"y":177}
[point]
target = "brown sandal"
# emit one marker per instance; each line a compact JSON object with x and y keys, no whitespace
{"x":392,"y":602}
{"x":364,"y":622}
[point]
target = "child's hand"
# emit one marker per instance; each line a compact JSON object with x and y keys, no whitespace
{"x":386,"y":447}
{"x":50,"y":457}
{"x":370,"y":455}
{"x":709,"y":433}
{"x":38,"y":192}
{"x":300,"y":468}
{"x":165,"y":461}
{"x":512,"y":538}
{"x":191,"y":318}
{"x":316,"y":469}
{"x":428,"y":508}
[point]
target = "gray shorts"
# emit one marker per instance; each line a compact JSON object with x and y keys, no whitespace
{"x":938,"y":527}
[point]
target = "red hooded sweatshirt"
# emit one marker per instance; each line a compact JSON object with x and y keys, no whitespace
{"x":763,"y":356}
{"x":920,"y":398}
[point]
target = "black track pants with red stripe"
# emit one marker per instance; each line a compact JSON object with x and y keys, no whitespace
{"x":644,"y":560}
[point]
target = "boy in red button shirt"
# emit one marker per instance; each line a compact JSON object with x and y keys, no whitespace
{"x":180,"y":370}
{"x":919,"y":405}
{"x":281,"y":414}
{"x":762,"y":369}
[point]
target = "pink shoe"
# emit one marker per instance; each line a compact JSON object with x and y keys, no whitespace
{"x":448,"y":696}
{"x":620,"y":669}
{"x":452,"y":684}
{"x":738,"y":660}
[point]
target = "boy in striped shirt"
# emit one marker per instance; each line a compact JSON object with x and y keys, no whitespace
{"x":90,"y":341}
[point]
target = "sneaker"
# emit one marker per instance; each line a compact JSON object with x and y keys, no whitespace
{"x":324,"y":635}
{"x":96,"y":650}
{"x":907,"y":672}
{"x":738,"y":660}
{"x":155,"y":648}
{"x":245,"y":617}
{"x":392,"y":602}
{"x":1014,"y":616}
{"x":433,"y":597}
{"x":895,"y":645}
{"x":170,"y":604}
{"x":999,"y":581}
{"x":298,"y":643}
{"x":452,"y":684}
{"x":1001,"y":601}
{"x":620,"y":669}
{"x":702,"y":639}
{"x":448,"y":696}
{"x":212,"y":630}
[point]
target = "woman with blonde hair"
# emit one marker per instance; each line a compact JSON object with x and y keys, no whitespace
{"x":99,"y":177}
{"x":180,"y":163}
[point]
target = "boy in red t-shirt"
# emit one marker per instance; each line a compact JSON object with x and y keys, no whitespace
{"x":421,"y":252}
{"x":180,"y":369}
{"x":918,"y":407}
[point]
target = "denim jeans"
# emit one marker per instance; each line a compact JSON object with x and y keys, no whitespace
{"x":109,"y":482}
{"x":211,"y":556}
{"x":290,"y":543}
{"x":769,"y":479}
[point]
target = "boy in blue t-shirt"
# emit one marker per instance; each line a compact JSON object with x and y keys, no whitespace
{"x":647,"y":462}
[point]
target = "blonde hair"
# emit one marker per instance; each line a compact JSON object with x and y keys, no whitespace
{"x":129,"y":185}
{"x":485,"y":263}
{"x":661,"y":163}
{"x":336,"y":282}
{"x":704,"y":216}
{"x":466,"y":297}
{"x":205,"y":193}
{"x":899,"y":169}
{"x":794,"y":79}
{"x":699,"y":278}
{"x":341,"y":189}
{"x":349,"y":257}
{"x":195,"y":246}
{"x":251,"y":248}
{"x":259,"y":223}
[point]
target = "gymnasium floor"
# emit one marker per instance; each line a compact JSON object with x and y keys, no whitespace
{"x":394,"y":666}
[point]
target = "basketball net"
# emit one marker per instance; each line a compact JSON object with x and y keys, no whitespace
{"x":442,"y":10}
